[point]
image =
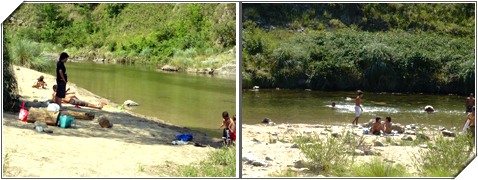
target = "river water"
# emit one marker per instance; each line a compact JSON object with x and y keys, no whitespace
{"x":192,"y":101}
{"x":314,"y":107}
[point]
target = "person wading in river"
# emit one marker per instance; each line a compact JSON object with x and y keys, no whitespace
{"x":61,"y":78}
{"x":358,"y":108}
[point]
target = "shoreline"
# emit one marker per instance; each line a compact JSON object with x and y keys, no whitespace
{"x":269,"y":149}
{"x":89,"y":150}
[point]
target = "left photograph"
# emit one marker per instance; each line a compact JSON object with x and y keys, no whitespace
{"x":119,"y":90}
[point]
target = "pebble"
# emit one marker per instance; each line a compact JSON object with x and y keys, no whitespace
{"x":294,"y":146}
{"x":335,"y":134}
{"x":407,"y":138}
{"x":378,"y":143}
{"x":268,"y":158}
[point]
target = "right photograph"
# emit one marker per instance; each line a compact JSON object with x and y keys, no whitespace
{"x":357,"y":89}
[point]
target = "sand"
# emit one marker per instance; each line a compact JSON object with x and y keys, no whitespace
{"x":136,"y":146}
{"x":273,"y":146}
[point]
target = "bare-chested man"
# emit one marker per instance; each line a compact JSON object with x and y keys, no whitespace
{"x":470,"y":102}
{"x":358,"y":108}
{"x":72,"y":99}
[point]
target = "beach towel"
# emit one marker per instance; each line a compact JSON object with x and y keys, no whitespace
{"x":184,"y":137}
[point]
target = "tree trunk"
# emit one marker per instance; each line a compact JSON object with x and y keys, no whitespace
{"x":79,"y":115}
{"x":49,"y":117}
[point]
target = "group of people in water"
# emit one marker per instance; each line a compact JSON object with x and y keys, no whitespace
{"x":60,"y":93}
{"x":378,"y":127}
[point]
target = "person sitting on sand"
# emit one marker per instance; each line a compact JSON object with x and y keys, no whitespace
{"x":228,"y":125}
{"x":72,"y":99}
{"x":376,"y":127}
{"x":40,"y":83}
{"x":387,"y":127}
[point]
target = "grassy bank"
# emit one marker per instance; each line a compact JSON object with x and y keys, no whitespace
{"x":425,"y":48}
{"x":186,"y":35}
{"x":219,"y":163}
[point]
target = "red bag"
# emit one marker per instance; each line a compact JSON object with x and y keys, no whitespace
{"x":23,"y":113}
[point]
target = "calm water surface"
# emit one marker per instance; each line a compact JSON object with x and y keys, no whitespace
{"x":314,"y":107}
{"x":186,"y":100}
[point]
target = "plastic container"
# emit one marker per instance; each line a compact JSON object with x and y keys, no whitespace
{"x":365,"y":131}
{"x":67,"y":121}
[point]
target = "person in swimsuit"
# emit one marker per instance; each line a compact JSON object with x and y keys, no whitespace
{"x":471,"y":117}
{"x":376,"y":127}
{"x":470,"y":102}
{"x":228,"y":125}
{"x":72,"y":99}
{"x":358,"y":108}
{"x":387,"y":127}
{"x":40,"y":83}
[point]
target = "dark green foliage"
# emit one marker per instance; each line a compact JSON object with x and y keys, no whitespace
{"x":9,"y":82}
{"x":322,"y":46}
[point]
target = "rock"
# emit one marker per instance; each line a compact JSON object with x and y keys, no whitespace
{"x":369,"y":124}
{"x":307,"y":132}
{"x":259,"y":163}
{"x":104,"y":122}
{"x":268,"y":158}
{"x":42,"y":124}
{"x":249,"y":158}
{"x":266,"y":120}
{"x":359,"y":152}
{"x":423,"y":146}
{"x":300,"y":164}
{"x":169,"y":68}
{"x":407,"y":138}
{"x":335,"y":134}
{"x":398,"y":128}
{"x":396,"y":144}
{"x":256,"y":140}
{"x":369,"y":152}
{"x":447,"y":133}
{"x":294,"y":146}
{"x":130,"y":103}
{"x":422,"y":136}
{"x":429,"y":109}
{"x":378,"y":143}
{"x":389,"y":160}
{"x":323,"y":133}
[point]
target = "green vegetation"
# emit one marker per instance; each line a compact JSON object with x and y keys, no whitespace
{"x":9,"y":83}
{"x":220,"y":163}
{"x":378,"y":168}
{"x":445,"y":157}
{"x":153,"y":33}
{"x":373,"y":47}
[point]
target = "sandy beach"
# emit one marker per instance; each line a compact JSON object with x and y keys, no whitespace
{"x":136,"y":145}
{"x":268,"y":150}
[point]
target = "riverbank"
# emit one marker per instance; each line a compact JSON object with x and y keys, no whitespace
{"x":89,"y":150}
{"x":269,"y":150}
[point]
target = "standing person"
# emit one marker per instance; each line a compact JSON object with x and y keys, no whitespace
{"x":229,"y":128}
{"x":471,"y":118}
{"x":61,"y":78}
{"x":358,"y":108}
{"x":470,"y":102}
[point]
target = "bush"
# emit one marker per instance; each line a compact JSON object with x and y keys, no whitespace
{"x":9,"y":82}
{"x":220,"y":163}
{"x":445,"y":157}
{"x":378,"y":168}
{"x":29,"y":54}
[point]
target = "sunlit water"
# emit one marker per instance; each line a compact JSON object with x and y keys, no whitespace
{"x":314,"y":107}
{"x":186,"y":100}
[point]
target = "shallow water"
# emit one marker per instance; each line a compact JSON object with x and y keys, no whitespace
{"x":314,"y":107}
{"x":192,"y":101}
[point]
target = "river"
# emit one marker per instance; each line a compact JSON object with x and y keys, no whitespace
{"x":192,"y":101}
{"x":314,"y":107}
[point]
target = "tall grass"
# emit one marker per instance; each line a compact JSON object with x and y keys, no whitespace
{"x":446,"y":157}
{"x":328,"y":155}
{"x":29,"y":54}
{"x":378,"y":168}
{"x":220,"y":163}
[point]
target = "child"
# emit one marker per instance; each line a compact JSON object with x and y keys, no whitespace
{"x":376,"y":127}
{"x":39,"y":83}
{"x":229,"y":131}
{"x":388,"y":125}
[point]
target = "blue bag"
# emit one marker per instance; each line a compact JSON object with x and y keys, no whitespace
{"x":66,"y":121}
{"x":184,"y":137}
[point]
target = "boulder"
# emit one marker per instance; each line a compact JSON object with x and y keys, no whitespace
{"x":407,"y":138}
{"x":130,"y":103}
{"x":335,"y":134}
{"x":429,"y":109}
{"x":266,"y":120}
{"x":398,"y":128}
{"x":169,"y":68}
{"x":447,"y":133}
{"x":294,"y":146}
{"x":378,"y":143}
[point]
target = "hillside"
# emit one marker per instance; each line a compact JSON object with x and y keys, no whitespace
{"x":179,"y":34}
{"x":422,"y":48}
